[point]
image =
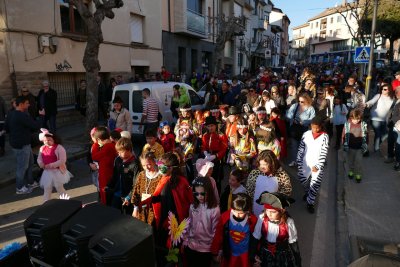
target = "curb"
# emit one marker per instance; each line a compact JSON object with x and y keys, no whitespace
{"x":344,"y":245}
{"x":73,"y":157}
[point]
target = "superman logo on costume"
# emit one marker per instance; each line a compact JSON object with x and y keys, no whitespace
{"x":237,"y":236}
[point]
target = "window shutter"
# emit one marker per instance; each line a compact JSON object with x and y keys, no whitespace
{"x":136,"y":29}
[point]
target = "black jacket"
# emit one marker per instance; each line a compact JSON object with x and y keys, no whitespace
{"x":20,"y":126}
{"x":50,"y":102}
{"x":124,"y":176}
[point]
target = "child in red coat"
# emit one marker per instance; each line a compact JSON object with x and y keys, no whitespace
{"x":167,"y":139}
{"x":280,"y":129}
{"x":103,"y":151}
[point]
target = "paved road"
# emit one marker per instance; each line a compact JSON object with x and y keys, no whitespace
{"x":14,"y":209}
{"x":314,"y":235}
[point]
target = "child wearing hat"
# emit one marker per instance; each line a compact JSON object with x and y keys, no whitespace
{"x":274,"y":241}
{"x":167,"y":139}
{"x":215,"y":143}
{"x":185,"y":117}
{"x":243,"y":146}
{"x":311,"y":159}
{"x":204,"y":168}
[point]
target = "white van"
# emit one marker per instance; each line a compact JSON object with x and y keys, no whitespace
{"x":131,"y":94}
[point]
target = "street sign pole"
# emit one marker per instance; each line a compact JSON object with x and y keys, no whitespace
{"x":371,"y":56}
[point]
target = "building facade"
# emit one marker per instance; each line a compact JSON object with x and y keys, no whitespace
{"x":46,"y":39}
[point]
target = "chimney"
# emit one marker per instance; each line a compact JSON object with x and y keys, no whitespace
{"x":344,"y":3}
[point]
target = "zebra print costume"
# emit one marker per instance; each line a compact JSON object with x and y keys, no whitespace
{"x":312,"y":153}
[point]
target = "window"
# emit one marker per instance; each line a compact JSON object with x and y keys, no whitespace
{"x":66,"y":86}
{"x":137,"y":101}
{"x":311,"y":25}
{"x":332,"y":20}
{"x":330,"y":33}
{"x":136,"y":26}
{"x":237,"y":10}
{"x":195,"y":5}
{"x":339,"y":18}
{"x":338,"y":31}
{"x":71,"y":21}
{"x":124,"y":95}
{"x":316,"y":25}
{"x":194,"y":98}
{"x":254,"y":36}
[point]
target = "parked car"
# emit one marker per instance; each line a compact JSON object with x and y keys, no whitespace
{"x":131,"y":94}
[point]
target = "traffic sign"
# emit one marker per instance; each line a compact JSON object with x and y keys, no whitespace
{"x":361,"y":54}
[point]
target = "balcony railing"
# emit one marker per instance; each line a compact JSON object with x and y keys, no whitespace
{"x":196,"y":22}
{"x":298,"y":36}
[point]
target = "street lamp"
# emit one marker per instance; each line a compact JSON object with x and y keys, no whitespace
{"x":372,"y":55}
{"x":240,"y":48}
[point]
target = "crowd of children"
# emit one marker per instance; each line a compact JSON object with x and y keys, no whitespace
{"x":246,"y":223}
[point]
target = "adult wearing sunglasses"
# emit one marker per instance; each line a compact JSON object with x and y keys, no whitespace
{"x":299,"y":116}
{"x":32,"y":102}
{"x":380,"y":106}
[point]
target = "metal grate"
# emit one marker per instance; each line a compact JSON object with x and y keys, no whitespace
{"x":66,"y":85}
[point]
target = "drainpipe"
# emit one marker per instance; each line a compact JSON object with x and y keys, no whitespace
{"x":169,"y":15}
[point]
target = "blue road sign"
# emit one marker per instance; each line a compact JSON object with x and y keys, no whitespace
{"x":361,"y":54}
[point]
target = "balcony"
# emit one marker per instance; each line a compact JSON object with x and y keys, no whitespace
{"x":190,"y":23}
{"x":260,"y":24}
{"x":196,"y":22}
{"x":299,"y":36}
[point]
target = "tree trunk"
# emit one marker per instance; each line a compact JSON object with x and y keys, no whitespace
{"x":92,"y":67}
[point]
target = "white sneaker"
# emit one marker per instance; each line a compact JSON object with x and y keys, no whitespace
{"x":292,"y":164}
{"x":23,"y":190}
{"x":33,"y":185}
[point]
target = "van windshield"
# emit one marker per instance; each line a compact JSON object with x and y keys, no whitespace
{"x":137,"y":102}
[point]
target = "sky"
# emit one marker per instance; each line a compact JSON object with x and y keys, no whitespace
{"x":299,"y":11}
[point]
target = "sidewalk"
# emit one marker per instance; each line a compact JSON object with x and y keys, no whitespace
{"x":74,"y":139}
{"x":368,"y":218}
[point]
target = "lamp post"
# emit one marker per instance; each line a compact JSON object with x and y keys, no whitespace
{"x":241,"y":54}
{"x":372,"y":55}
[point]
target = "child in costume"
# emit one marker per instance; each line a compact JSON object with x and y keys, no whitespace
{"x":354,"y":137}
{"x":152,"y":145}
{"x":204,"y":168}
{"x":280,"y":130}
{"x":186,"y":150}
{"x":167,"y":139}
{"x":231,"y":242}
{"x":103,"y":151}
{"x":267,"y":139}
{"x":204,"y":216}
{"x":52,"y":159}
{"x":234,"y":186}
{"x":145,"y":185}
{"x":311,"y":159}
{"x":216,"y":144}
{"x":274,"y":240}
{"x":243,"y":147}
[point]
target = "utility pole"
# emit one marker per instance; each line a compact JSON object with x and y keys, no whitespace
{"x":372,"y":52}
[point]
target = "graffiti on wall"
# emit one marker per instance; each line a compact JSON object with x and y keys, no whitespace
{"x":63,"y":66}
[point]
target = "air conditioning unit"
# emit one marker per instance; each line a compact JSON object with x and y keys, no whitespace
{"x":44,"y":40}
{"x":53,"y":41}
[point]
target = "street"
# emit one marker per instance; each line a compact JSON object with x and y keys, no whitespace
{"x":316,"y":238}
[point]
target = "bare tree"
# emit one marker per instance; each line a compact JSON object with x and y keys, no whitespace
{"x":93,"y":21}
{"x":358,"y":10}
{"x":227,"y":27}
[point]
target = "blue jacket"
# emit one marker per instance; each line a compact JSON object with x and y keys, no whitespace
{"x":305,"y":117}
